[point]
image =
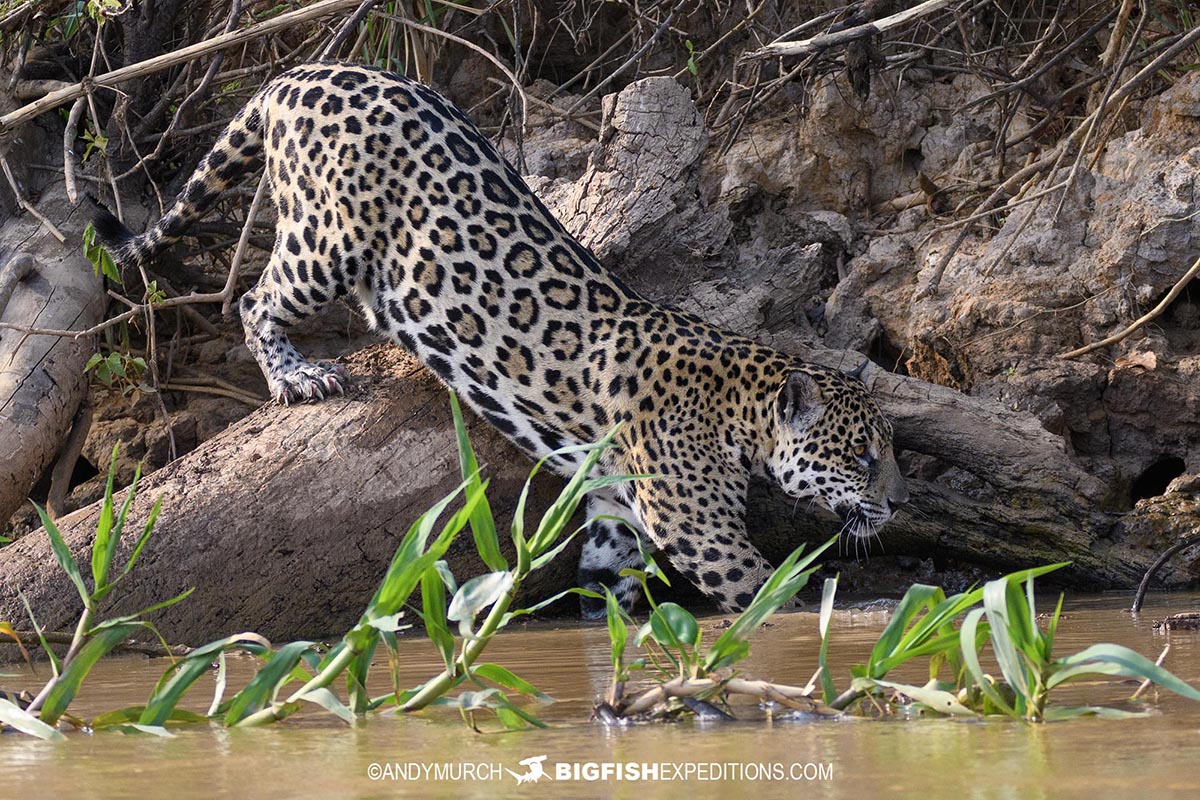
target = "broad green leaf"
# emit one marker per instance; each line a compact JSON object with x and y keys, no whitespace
{"x":55,"y":664}
{"x":919,"y":597}
{"x":828,"y":690}
{"x":1113,"y":659}
{"x":433,"y":601}
{"x":509,"y":680}
{"x":673,"y":625}
{"x":968,"y":638}
{"x":618,"y":631}
{"x":136,"y":728}
{"x":1059,"y":713}
{"x":357,"y":671}
{"x":542,"y":604}
{"x":62,"y":554}
{"x":67,"y":685}
{"x":18,"y":718}
{"x":411,"y":558}
{"x":779,"y":588}
{"x":181,"y":675}
{"x":141,"y":542}
{"x":553,"y":553}
{"x":104,"y":545}
{"x":132,"y":716}
{"x":475,"y":595}
{"x":262,"y":689}
{"x":503,"y":705}
{"x":995,"y":602}
{"x":329,"y":701}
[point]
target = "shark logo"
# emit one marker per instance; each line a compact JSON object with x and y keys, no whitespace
{"x":534,"y":767}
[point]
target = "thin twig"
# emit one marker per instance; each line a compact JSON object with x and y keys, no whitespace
{"x":239,"y":254}
{"x":641,"y":51}
{"x":167,"y":60}
{"x":469,"y":45}
{"x":26,"y":205}
{"x":540,"y":103}
{"x":348,"y":26}
{"x":1158,"y":662}
{"x":1140,"y":597}
{"x":58,"y":637}
{"x":1142,"y":320}
{"x":825,"y":41}
{"x":201,"y":89}
{"x":1098,"y":114}
{"x":241,"y":397}
{"x":1001,"y":191}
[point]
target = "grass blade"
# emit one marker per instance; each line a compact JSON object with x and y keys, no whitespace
{"x":509,"y":680}
{"x":483,"y":525}
{"x":62,"y":554}
{"x":828,"y":691}
{"x":260,"y":692}
{"x":969,"y":638}
{"x":433,"y":601}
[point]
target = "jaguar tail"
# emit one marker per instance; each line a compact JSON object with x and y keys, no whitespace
{"x":237,"y":150}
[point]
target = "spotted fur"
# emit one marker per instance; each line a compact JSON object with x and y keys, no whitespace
{"x":388,"y":194}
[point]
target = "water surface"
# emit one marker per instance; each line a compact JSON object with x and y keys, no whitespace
{"x":314,"y":755}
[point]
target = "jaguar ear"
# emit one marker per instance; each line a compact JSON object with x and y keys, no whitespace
{"x":799,"y":400}
{"x":860,"y":370}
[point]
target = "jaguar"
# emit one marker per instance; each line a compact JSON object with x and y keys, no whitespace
{"x":389,"y":197}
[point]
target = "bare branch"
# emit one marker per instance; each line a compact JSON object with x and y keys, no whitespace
{"x":1147,"y":317}
{"x":167,"y":60}
{"x":825,"y":41}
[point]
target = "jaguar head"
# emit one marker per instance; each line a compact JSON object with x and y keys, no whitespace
{"x":833,"y":446}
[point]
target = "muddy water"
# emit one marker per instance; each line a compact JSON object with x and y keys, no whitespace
{"x":314,"y":755}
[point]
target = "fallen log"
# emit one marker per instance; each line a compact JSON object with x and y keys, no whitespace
{"x":42,"y":380}
{"x":285,"y":522}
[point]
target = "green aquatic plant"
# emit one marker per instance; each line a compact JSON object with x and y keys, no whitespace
{"x":91,"y":640}
{"x":1022,"y":648}
{"x":417,"y":563}
{"x":684,"y":670}
{"x":923,"y":625}
{"x":491,"y":595}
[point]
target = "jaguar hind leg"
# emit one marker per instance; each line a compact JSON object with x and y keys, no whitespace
{"x":267,"y":310}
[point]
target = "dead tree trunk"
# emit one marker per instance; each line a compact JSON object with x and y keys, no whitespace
{"x":51,"y":286}
{"x":285,"y":522}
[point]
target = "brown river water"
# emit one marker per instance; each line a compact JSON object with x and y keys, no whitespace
{"x":312,"y":754}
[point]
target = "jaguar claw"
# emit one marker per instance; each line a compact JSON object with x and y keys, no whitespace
{"x":311,"y":383}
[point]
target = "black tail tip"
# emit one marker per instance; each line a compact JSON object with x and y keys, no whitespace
{"x":109,"y":230}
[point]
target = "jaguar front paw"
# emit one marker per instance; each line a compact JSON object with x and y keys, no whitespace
{"x":310,"y":383}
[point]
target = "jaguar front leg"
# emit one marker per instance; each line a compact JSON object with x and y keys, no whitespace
{"x":610,"y":547}
{"x":697,"y":520}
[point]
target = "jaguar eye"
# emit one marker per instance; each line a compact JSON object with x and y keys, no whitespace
{"x":859,"y":450}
